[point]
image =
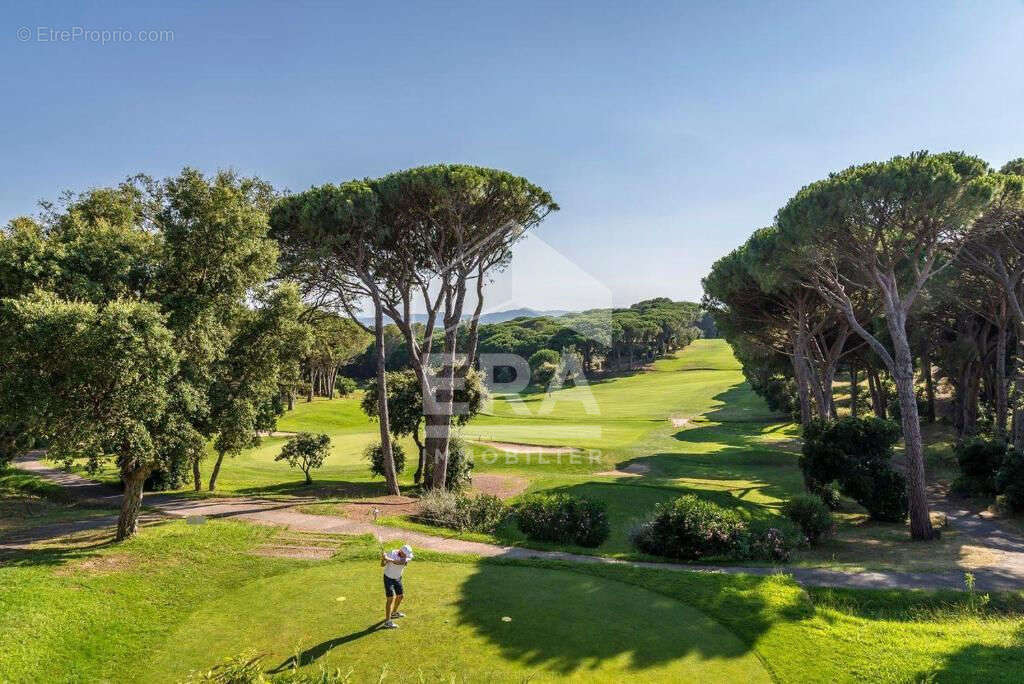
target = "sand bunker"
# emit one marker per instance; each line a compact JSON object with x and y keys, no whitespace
{"x":514,"y":448}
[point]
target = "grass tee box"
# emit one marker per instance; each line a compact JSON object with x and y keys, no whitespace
{"x":181,"y":598}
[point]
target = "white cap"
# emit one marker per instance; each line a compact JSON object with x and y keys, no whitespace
{"x":407,"y":551}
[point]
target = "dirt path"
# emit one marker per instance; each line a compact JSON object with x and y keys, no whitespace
{"x":1007,"y":577}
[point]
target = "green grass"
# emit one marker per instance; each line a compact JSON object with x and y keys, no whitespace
{"x":27,"y":500}
{"x":182,"y":597}
{"x":730,"y":449}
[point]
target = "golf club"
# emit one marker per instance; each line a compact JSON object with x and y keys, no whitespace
{"x":376,"y":513}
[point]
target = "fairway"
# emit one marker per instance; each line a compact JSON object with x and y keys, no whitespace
{"x":689,"y":422}
{"x":327,"y":616}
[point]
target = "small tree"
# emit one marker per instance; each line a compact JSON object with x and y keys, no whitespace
{"x":306,"y":452}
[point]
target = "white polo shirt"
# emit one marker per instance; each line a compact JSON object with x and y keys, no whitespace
{"x":393,"y":568}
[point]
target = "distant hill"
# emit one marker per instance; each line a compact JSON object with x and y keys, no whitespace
{"x":492,"y":317}
{"x":509,"y":314}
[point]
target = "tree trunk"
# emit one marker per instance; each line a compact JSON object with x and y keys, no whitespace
{"x":800,"y":375}
{"x":384,"y":422}
{"x":131,"y":503}
{"x":854,"y":391}
{"x":929,"y":382}
{"x":291,"y":401}
{"x":216,"y":471}
{"x":903,"y":375}
{"x":439,"y":418}
{"x":422,"y":463}
{"x":1001,"y":382}
{"x":877,"y":393}
{"x":197,"y":477}
{"x":970,"y":390}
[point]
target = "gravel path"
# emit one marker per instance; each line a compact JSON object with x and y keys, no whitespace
{"x":1008,"y":577}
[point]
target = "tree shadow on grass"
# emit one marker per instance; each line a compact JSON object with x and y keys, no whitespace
{"x":311,"y":655}
{"x":62,"y":543}
{"x":320,"y":489}
{"x":568,"y":621}
{"x":982,"y":663}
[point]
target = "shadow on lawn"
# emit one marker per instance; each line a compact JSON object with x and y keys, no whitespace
{"x":311,"y":655}
{"x":569,"y":621}
{"x":321,"y":489}
{"x":62,"y":543}
{"x":982,"y":663}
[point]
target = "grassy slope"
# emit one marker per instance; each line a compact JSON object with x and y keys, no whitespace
{"x":183,"y":596}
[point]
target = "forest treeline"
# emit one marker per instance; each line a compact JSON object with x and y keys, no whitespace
{"x":905,"y":274}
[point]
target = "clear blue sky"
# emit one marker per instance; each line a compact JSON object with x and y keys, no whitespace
{"x":666,"y":132}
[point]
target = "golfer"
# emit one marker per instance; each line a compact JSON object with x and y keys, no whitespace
{"x":394,"y":565}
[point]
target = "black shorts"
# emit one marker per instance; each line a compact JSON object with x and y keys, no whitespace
{"x":392,"y":587}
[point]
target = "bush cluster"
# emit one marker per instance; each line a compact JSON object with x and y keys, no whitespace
{"x":480,"y":513}
{"x":691,"y":528}
{"x":811,"y":514}
{"x":979,"y":460}
{"x":857,"y":454}
{"x":1010,"y":480}
{"x":375,"y":455}
{"x":563,"y":519}
{"x":345,"y":386}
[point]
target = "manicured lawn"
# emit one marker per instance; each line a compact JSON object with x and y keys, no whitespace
{"x":182,"y":597}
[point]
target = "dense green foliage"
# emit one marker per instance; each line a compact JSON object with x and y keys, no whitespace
{"x":375,"y":455}
{"x":812,"y":515}
{"x":1010,"y":480}
{"x":563,"y":519}
{"x":606,"y":339}
{"x":691,"y":528}
{"x":979,"y":460}
{"x":462,"y":512}
{"x":856,"y":453}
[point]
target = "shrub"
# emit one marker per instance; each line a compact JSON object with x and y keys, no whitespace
{"x":690,"y":528}
{"x":173,"y":476}
{"x":811,"y":514}
{"x":886,"y":499}
{"x":979,"y":460}
{"x":345,"y":386}
{"x":375,"y":455}
{"x":563,"y":519}
{"x":772,"y":541}
{"x":1010,"y":480}
{"x":856,"y":453}
{"x":481,"y":513}
{"x":306,"y":452}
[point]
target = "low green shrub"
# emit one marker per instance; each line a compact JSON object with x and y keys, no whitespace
{"x":979,"y":460}
{"x":690,"y":528}
{"x":480,"y":513}
{"x":811,"y":514}
{"x":345,"y":386}
{"x":772,"y":541}
{"x":1010,"y":480}
{"x":857,"y":454}
{"x":375,"y":455}
{"x":883,"y":493}
{"x":563,"y":519}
